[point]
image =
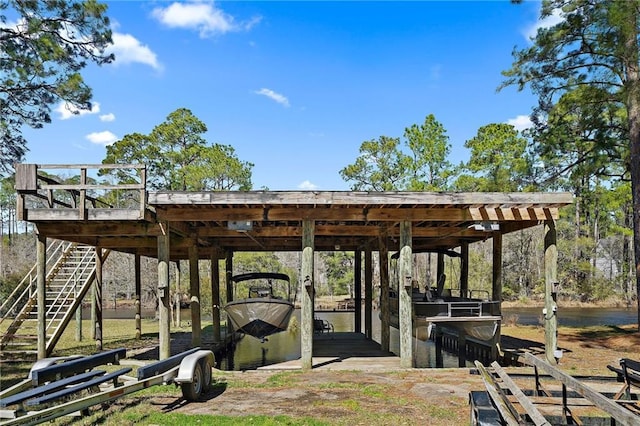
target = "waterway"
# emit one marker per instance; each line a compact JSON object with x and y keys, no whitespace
{"x":250,"y":353}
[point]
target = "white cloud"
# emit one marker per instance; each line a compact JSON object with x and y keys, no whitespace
{"x":520,"y":122}
{"x":67,"y":111}
{"x":102,"y":138}
{"x":306,"y":185}
{"x":128,"y":50}
{"x":107,"y":117}
{"x":205,"y":18}
{"x":554,"y":19}
{"x":281,"y":99}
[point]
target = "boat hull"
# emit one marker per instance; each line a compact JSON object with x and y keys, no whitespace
{"x":474,"y":318}
{"x":259,"y":317}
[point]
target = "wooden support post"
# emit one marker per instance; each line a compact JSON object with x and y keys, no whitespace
{"x":306,"y":314}
{"x":194,"y":283}
{"x":357,"y":291}
{"x":368,"y":293}
{"x":229,"y":274}
{"x":496,"y":288}
{"x":385,"y":319}
{"x":79,"y":323}
{"x":550,"y":280}
{"x":164,"y":333}
{"x":440,"y":273}
{"x":215,"y":296}
{"x":439,"y":358}
{"x":97,"y":288}
{"x":82,"y":203}
{"x":464,"y":270}
{"x":76,"y":289}
{"x":138,"y":304}
{"x":175,"y":303}
{"x":41,"y":294}
{"x":462,"y":349}
{"x":405,"y":289}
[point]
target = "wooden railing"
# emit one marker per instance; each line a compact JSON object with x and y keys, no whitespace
{"x":33,"y":185}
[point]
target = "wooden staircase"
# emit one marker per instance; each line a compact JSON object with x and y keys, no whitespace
{"x":71,"y":270}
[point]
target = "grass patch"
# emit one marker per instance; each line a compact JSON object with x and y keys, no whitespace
{"x":136,"y":416}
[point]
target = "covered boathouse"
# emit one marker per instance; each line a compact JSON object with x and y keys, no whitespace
{"x":174,"y":225}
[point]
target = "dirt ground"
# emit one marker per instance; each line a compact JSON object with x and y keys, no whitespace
{"x":400,"y":396}
{"x":345,"y":397}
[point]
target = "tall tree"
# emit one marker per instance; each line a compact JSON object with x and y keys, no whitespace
{"x":379,"y":167}
{"x":595,"y":44}
{"x":43,"y":47}
{"x":418,"y":163}
{"x":499,"y":161}
{"x":430,"y":147}
{"x":178,"y":157}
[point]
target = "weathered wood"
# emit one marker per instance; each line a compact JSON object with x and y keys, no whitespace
{"x":385,"y":320}
{"x":405,"y":276}
{"x":97,"y":291}
{"x":357,"y":291}
{"x":35,"y":215}
{"x":451,"y":214}
{"x":164,"y":333}
{"x":550,"y":280}
{"x":194,"y":280}
{"x":228,"y":275}
{"x":464,"y":269}
{"x":507,"y":411}
{"x":535,"y":415}
{"x":496,"y":286}
{"x":138,"y":304}
{"x":440,"y":275}
{"x":306,"y":314}
{"x":332,"y":198}
{"x":41,"y":253}
{"x":618,"y":412}
{"x":26,"y":177}
{"x":368,"y":293}
{"x":215,"y":296}
{"x":91,"y":166}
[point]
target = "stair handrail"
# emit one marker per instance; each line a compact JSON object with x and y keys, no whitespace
{"x":68,"y":291}
{"x":57,"y":333}
{"x":27,"y":284}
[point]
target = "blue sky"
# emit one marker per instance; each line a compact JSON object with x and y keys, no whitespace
{"x":296,"y":87}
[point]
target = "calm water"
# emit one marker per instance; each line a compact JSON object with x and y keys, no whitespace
{"x":250,"y":353}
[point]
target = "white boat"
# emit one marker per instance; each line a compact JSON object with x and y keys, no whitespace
{"x":267,"y":308}
{"x":475,"y":317}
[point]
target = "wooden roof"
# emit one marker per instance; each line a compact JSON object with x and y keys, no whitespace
{"x":272,"y":220}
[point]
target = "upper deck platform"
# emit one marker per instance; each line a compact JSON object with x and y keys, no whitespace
{"x":129,"y":217}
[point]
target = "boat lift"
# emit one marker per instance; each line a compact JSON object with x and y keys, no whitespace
{"x":55,"y":380}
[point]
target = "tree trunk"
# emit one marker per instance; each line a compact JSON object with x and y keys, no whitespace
{"x":632,"y":87}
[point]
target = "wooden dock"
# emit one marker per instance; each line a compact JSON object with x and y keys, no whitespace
{"x":344,"y":351}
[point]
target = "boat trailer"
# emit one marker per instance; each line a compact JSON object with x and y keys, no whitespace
{"x":44,"y":395}
{"x":504,"y":403}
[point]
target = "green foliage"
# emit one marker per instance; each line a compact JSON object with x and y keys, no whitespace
{"x":499,"y":161}
{"x":419,"y":164}
{"x":44,"y":45}
{"x":339,"y":272}
{"x":380,"y":166}
{"x":585,"y":72}
{"x":179,"y":159}
{"x":429,"y":145}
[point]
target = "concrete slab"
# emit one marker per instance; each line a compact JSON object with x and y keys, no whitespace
{"x":344,"y":351}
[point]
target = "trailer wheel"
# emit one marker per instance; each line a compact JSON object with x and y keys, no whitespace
{"x":206,"y":375}
{"x":192,"y":391}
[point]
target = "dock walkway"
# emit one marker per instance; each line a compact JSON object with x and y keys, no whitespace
{"x":344,"y":351}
